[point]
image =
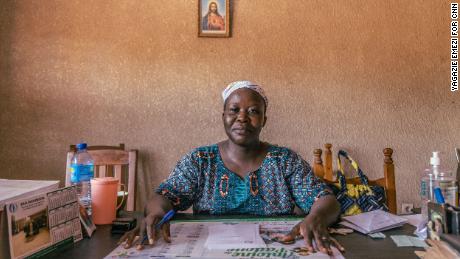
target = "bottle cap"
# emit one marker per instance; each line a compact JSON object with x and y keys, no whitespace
{"x":81,"y":146}
{"x":435,"y":161}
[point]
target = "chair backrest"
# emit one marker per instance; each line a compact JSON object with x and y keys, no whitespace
{"x":112,"y":161}
{"x":388,"y":181}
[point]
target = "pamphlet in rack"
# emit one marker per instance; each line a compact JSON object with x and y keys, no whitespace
{"x":86,"y":221}
{"x":12,"y":190}
{"x":42,"y":221}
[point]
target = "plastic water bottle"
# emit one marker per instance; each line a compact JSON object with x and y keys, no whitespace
{"x":82,"y":170}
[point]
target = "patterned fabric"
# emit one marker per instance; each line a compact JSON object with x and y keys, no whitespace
{"x":201,"y":179}
{"x":357,"y":198}
{"x":232,"y":87}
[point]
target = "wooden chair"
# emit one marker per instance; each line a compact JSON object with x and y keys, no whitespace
{"x":388,"y":181}
{"x":112,"y":161}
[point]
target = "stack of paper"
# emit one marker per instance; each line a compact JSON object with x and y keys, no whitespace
{"x":242,"y":235}
{"x":373,"y":221}
{"x":17,"y":189}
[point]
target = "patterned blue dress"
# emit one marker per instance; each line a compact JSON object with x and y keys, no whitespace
{"x":283,"y":180}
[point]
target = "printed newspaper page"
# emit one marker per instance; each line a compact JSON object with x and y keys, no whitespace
{"x":188,"y":240}
{"x":42,"y":220}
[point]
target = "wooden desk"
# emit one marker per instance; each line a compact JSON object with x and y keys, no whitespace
{"x":356,"y":245}
{"x":360,"y":246}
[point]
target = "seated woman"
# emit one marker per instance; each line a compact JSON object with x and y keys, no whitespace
{"x":243,"y":175}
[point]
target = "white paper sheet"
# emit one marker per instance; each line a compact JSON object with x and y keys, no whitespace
{"x":404,"y":240}
{"x":414,"y":219}
{"x":373,"y":221}
{"x":231,"y":235}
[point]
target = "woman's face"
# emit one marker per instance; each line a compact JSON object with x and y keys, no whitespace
{"x":244,"y":116}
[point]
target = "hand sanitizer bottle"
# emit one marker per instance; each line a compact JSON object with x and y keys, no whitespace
{"x":435,"y":177}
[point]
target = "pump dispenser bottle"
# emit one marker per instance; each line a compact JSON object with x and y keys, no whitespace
{"x":436,"y":177}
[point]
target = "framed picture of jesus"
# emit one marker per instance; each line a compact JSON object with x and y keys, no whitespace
{"x":214,"y":18}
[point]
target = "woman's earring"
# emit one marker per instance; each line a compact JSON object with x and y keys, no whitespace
{"x":222,"y":192}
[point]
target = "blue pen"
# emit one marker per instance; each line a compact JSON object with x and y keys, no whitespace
{"x":165,"y":219}
{"x":438,"y":195}
{"x":144,"y":239}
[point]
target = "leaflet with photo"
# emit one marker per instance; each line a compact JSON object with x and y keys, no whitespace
{"x":40,"y":221}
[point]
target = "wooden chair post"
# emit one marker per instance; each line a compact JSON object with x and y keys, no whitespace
{"x":130,"y":204}
{"x":389,"y":172}
{"x":328,"y":162}
{"x":67,"y":169}
{"x":117,"y":171}
{"x":318,"y":163}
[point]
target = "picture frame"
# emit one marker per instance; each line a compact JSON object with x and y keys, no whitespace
{"x":214,"y":18}
{"x":437,"y":220}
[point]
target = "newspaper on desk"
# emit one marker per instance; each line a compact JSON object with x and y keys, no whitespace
{"x":190,"y":239}
{"x":43,"y":220}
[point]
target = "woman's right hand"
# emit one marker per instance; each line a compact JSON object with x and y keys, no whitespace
{"x":154,"y":211}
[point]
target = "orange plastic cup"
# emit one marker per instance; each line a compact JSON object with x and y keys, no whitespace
{"x":104,"y":199}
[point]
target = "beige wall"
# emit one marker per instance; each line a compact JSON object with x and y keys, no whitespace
{"x":362,"y":75}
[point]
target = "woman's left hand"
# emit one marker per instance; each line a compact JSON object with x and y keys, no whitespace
{"x":313,"y":227}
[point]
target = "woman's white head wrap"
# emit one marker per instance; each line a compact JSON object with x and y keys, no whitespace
{"x":232,"y":87}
